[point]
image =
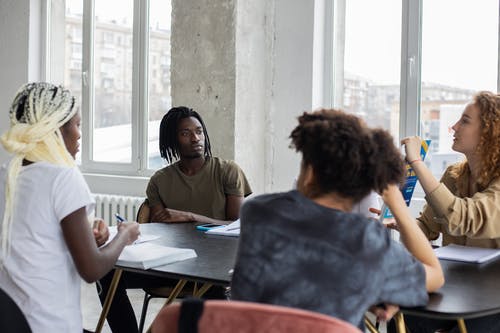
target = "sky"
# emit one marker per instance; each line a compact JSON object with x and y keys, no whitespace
{"x":459,"y":41}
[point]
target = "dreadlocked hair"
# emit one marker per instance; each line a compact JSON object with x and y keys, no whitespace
{"x":38,"y":111}
{"x":169,"y":144}
{"x":347,"y":157}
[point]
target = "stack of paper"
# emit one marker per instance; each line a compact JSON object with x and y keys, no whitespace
{"x":466,"y":253}
{"x":149,"y":255}
{"x":232,"y":229}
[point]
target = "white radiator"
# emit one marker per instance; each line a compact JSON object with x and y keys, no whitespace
{"x":107,"y":205}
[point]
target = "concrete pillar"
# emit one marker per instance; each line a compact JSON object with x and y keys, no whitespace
{"x":203,"y":66}
{"x":247,"y":67}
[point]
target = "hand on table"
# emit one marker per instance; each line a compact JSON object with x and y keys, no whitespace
{"x":172,"y":215}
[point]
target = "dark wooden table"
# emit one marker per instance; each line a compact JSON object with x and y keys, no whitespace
{"x":470,"y":291}
{"x":216,"y":256}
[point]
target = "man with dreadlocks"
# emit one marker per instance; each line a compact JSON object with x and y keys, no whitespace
{"x":46,"y":239}
{"x":195,"y":186}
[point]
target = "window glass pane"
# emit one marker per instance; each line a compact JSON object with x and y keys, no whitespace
{"x":72,"y":72}
{"x":372,"y":62}
{"x":459,"y":57}
{"x":113,"y":80}
{"x":159,"y":74}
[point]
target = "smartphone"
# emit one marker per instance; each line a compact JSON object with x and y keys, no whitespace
{"x":207,"y":226}
{"x":383,"y":212}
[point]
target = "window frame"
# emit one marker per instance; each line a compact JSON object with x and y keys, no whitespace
{"x":411,"y":60}
{"x":139,"y":114}
{"x":138,"y":165}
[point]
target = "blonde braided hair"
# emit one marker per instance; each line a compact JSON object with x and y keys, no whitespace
{"x":38,"y":111}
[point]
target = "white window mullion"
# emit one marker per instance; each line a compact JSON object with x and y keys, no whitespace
{"x":333,"y":59}
{"x":140,"y":94}
{"x":323,"y":46}
{"x":87,"y":83}
{"x":411,"y":46}
{"x":338,"y":53}
{"x":88,"y":102}
{"x":45,"y":35}
{"x":136,"y":63}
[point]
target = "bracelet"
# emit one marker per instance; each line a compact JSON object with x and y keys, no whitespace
{"x":418,"y":159}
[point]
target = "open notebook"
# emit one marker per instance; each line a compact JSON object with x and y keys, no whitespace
{"x":149,"y":255}
{"x":470,"y":254}
{"x":141,"y":239}
{"x":232,"y":229}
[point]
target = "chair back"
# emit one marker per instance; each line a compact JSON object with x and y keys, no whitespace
{"x":244,"y":317}
{"x":12,"y":319}
{"x":143,"y":213}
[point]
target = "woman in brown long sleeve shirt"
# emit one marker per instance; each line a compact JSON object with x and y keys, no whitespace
{"x":465,"y":205}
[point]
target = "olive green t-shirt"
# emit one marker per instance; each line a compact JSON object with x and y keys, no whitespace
{"x":203,"y":193}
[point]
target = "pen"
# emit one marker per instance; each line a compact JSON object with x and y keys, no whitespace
{"x":119,"y":218}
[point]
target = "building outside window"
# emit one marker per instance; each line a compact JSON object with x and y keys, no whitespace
{"x":411,"y":66}
{"x":108,"y":66}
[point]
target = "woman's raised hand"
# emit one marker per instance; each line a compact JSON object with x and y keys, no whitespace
{"x":412,"y":148}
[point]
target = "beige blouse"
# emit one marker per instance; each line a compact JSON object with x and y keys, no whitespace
{"x":472,"y":220}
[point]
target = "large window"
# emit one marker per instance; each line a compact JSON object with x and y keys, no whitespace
{"x":370,"y":86}
{"x":117,"y":62}
{"x":410,"y":66}
{"x":459,"y":58}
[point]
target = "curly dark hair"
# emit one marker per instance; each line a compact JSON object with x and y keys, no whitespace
{"x":347,"y":157}
{"x":169,"y":144}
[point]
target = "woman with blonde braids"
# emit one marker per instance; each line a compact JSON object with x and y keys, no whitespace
{"x":46,"y":241}
{"x":464,"y":207}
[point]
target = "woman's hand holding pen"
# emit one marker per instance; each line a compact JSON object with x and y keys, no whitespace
{"x":130,"y":230}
